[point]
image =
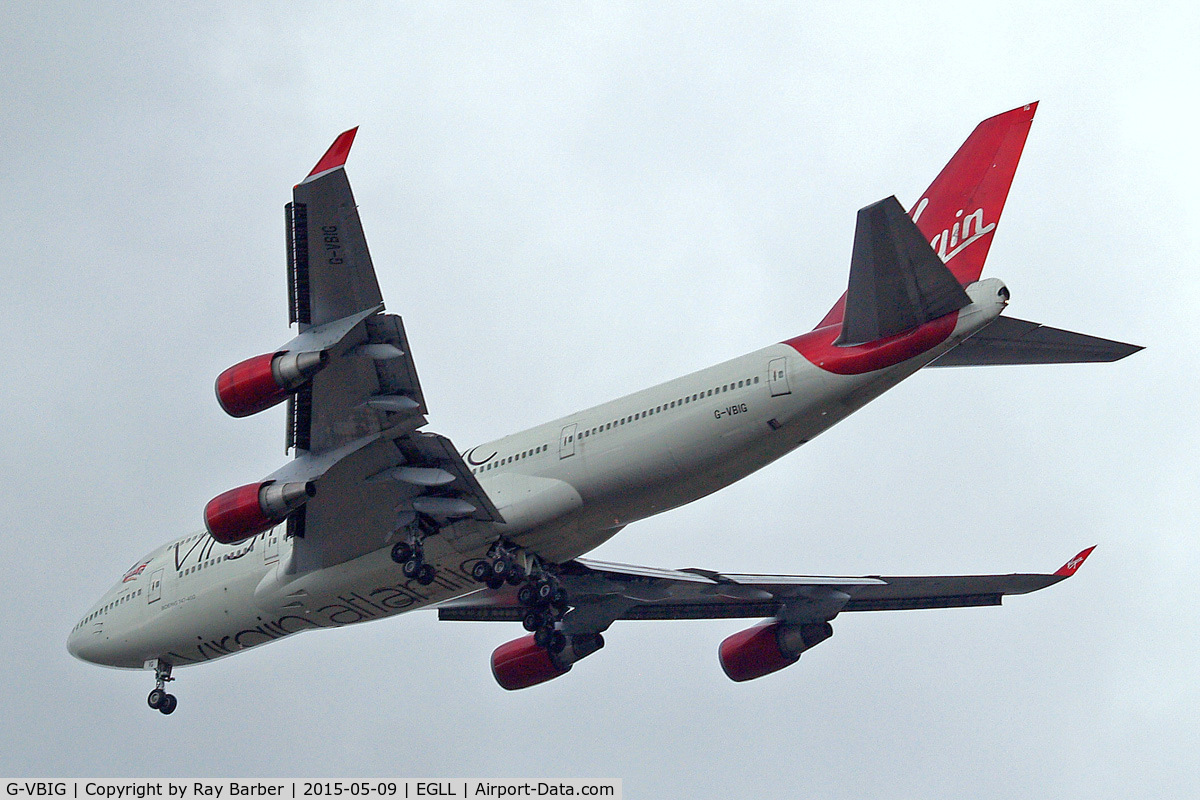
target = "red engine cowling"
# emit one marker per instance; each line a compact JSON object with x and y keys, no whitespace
{"x":769,"y":647}
{"x":258,"y":383}
{"x":240,"y":513}
{"x":521,"y":663}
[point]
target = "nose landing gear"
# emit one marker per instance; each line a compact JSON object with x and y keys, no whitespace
{"x":158,"y":698}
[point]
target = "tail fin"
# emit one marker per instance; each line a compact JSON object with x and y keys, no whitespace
{"x":958,"y":213}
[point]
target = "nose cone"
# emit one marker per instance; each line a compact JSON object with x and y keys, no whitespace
{"x":85,"y":645}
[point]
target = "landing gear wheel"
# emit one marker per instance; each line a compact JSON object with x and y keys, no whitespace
{"x":525,"y":595}
{"x":413,"y":566}
{"x":495,"y":583}
{"x":401,"y":552}
{"x":425,"y":574}
{"x":482,"y":571}
{"x":533,"y":621}
{"x":515,"y":576}
{"x":543,"y":590}
{"x":557,"y":643}
{"x":501,"y":567}
{"x":542,"y":636}
{"x":158,"y":699}
{"x":558,"y":597}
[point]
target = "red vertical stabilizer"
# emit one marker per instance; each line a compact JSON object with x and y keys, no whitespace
{"x":959,"y":211}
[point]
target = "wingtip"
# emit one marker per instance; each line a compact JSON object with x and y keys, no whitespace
{"x":337,"y":153}
{"x":1071,"y":567}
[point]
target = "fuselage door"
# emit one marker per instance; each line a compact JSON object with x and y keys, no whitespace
{"x":566,"y":444}
{"x":155,"y":593}
{"x":777,"y":377}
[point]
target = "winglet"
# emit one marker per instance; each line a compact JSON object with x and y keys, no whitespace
{"x":337,"y":153}
{"x":1071,"y":567}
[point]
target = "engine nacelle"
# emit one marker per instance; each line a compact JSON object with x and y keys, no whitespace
{"x":258,"y":383}
{"x":240,"y":513}
{"x":521,"y":663}
{"x":769,"y":647}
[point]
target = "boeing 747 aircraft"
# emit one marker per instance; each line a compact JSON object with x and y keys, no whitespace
{"x":375,"y":515}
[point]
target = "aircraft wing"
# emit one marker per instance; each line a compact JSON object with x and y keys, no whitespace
{"x":354,"y":426}
{"x":600,"y":593}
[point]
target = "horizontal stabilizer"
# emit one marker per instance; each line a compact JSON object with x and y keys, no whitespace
{"x":1016,"y":341}
{"x":897,"y":281}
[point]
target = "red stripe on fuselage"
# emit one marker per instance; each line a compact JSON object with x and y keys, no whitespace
{"x":819,"y":348}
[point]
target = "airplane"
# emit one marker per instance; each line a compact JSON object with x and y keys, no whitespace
{"x":376,"y":516}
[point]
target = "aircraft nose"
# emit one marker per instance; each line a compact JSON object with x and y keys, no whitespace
{"x":89,"y":646}
{"x":76,"y":645}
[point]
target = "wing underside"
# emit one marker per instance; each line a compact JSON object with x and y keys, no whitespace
{"x":355,"y":425}
{"x":602,"y":593}
{"x":1017,"y":341}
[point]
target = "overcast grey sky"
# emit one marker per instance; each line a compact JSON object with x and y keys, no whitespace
{"x":567,"y":202}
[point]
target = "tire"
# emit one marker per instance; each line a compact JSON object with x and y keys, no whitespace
{"x":515,"y":576}
{"x":482,"y":571}
{"x":426,"y":574}
{"x":155,"y":698}
{"x":542,"y":637}
{"x":413,"y":566}
{"x":401,"y":552}
{"x":557,"y":643}
{"x":532,"y":621}
{"x":544,"y":591}
{"x":168,"y":705}
{"x":495,"y":583}
{"x":501,"y":567}
{"x":525,"y":595}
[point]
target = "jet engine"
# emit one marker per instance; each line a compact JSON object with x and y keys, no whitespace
{"x":258,"y":383}
{"x":769,"y":647}
{"x":247,"y":510}
{"x":521,"y":663}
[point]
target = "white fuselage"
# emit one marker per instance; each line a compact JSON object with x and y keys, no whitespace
{"x":563,"y":488}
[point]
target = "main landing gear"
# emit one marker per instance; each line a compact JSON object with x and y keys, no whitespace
{"x":158,"y":698}
{"x":410,"y":551}
{"x":502,"y":565}
{"x":541,"y":595}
